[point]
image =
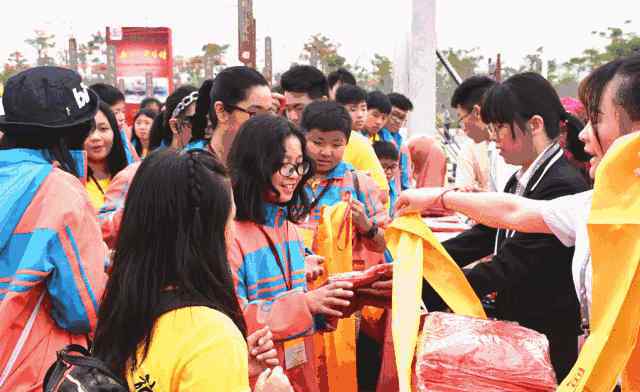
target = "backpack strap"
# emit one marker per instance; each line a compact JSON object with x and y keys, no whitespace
{"x":85,"y":360}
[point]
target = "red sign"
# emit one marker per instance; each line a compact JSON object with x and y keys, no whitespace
{"x":142,"y":55}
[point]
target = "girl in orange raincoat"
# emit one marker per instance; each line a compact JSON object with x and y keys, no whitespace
{"x":269,"y":169}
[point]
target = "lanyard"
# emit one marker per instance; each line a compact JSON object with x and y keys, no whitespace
{"x":584,"y":299}
{"x":288,"y":281}
{"x":321,"y":194}
{"x":97,"y":183}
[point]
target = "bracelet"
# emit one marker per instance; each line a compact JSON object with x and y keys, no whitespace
{"x":440,"y":199}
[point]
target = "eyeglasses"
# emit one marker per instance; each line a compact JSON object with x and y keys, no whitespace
{"x":289,"y":169}
{"x":390,"y":167}
{"x":397,"y":117}
{"x":250,"y":113}
{"x":461,"y":119}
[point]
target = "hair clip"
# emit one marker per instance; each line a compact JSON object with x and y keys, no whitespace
{"x":184,"y":103}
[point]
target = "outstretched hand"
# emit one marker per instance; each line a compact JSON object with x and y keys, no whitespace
{"x":417,"y":200}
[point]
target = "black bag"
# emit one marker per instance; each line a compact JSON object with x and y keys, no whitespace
{"x":83,"y":372}
{"x":76,"y":370}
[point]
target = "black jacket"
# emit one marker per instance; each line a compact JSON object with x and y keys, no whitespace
{"x":531,"y":273}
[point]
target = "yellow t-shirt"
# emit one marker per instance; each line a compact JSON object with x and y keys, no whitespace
{"x":193,"y":349}
{"x":360,"y":154}
{"x":96,"y":196}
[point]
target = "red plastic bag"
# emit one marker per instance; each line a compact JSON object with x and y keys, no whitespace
{"x":360,"y":280}
{"x":461,"y":354}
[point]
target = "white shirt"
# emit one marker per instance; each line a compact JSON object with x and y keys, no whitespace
{"x":524,"y":177}
{"x":567,"y":217}
{"x":481,"y":165}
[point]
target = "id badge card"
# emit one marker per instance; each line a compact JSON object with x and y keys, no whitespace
{"x":295,"y":353}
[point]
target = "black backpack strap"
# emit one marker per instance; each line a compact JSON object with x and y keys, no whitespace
{"x":89,"y":362}
{"x":65,"y":358}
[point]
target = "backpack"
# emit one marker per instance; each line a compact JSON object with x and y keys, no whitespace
{"x":76,"y":370}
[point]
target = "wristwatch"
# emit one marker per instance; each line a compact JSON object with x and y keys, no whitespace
{"x":371,"y":232}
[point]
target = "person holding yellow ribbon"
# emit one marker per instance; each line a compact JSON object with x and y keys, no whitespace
{"x":610,"y":95}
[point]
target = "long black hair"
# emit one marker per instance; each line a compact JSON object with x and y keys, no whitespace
{"x":256,"y":154}
{"x":56,"y":143}
{"x":117,"y":158}
{"x":592,"y":88}
{"x":522,"y":96}
{"x":160,"y":129}
{"x":134,"y":138}
{"x":230,"y":86}
{"x":182,"y":200}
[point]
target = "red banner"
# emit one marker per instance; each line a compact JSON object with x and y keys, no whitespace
{"x":143,"y":55}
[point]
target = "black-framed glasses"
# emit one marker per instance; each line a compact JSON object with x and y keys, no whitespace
{"x":289,"y":169}
{"x":461,"y":119}
{"x":390,"y":168}
{"x":250,"y":113}
{"x":397,"y":117}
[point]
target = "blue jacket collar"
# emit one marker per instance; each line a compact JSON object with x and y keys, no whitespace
{"x":339,"y":171}
{"x":275,"y":215}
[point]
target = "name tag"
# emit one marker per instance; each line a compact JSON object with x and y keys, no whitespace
{"x":294,"y":353}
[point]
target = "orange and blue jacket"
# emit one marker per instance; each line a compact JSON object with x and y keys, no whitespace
{"x":270,"y":297}
{"x":52,"y":266}
{"x":404,"y":178}
{"x":340,"y":181}
{"x":110,"y":215}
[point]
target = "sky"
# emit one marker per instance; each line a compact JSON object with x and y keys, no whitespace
{"x":361,"y":27}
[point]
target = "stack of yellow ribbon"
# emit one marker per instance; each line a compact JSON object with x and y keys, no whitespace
{"x":335,"y":351}
{"x":417,"y":254}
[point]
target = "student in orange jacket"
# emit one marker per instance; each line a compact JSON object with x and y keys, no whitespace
{"x":52,"y":258}
{"x":269,"y":169}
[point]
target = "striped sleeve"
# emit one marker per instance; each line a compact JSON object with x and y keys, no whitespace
{"x":77,"y":282}
{"x":110,"y":215}
{"x":405,"y":168}
{"x":287,"y":314}
{"x":369,"y":195}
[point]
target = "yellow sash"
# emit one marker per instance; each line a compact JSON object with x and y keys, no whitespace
{"x":614,"y":233}
{"x":336,"y":351}
{"x":417,"y":254}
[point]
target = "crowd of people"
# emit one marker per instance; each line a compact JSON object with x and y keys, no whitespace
{"x":179,"y":248}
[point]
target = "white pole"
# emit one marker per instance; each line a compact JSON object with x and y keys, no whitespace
{"x":422,"y":66}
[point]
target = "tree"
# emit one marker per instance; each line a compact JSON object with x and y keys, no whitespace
{"x":618,"y":44}
{"x":382,"y":72}
{"x":364,"y":78}
{"x":42,"y":42}
{"x":17,"y":61}
{"x":321,"y":52}
{"x":465,"y":61}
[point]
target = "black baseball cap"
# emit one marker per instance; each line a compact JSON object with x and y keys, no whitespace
{"x":46,"y":100}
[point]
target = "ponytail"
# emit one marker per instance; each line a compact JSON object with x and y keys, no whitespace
{"x":573,"y":126}
{"x":160,"y":133}
{"x":230,"y":86}
{"x":204,"y":109}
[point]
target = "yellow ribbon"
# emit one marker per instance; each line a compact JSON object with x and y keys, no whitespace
{"x":614,"y":233}
{"x":417,"y":254}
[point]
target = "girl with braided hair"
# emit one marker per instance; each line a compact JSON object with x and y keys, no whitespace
{"x":169,"y":318}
